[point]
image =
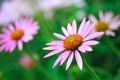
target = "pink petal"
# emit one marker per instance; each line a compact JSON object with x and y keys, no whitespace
{"x":11,"y":28}
{"x":88,"y":48}
{"x":52,"y":47}
{"x":27,"y":38}
{"x":109,"y":32}
{"x":69,"y":29}
{"x":17,"y":24}
{"x":6,"y":31}
{"x":82,"y":48}
{"x":101,"y":16}
{"x":85,"y":28}
{"x":20,"y":45}
{"x":74,"y":26}
{"x":69,"y":60}
{"x":65,"y":32}
{"x":89,"y":30}
{"x":93,"y":19}
{"x":81,"y":26}
{"x":59,"y":59}
{"x":13,"y":46}
{"x":54,"y":52}
{"x":2,"y":41}
{"x":94,"y":35}
{"x":65,"y":57}
{"x":91,"y":42}
{"x":55,"y":43}
{"x":78,"y":59}
{"x":59,"y":36}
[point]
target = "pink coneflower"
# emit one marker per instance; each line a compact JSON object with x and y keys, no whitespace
{"x":27,"y":62}
{"x":73,"y":43}
{"x":22,"y":31}
{"x":107,"y":22}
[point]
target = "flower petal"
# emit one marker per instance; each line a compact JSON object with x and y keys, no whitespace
{"x":59,"y":36}
{"x":93,"y":19}
{"x":52,"y":47}
{"x":55,"y":43}
{"x":69,"y":60}
{"x":54,"y":52}
{"x":109,"y":32}
{"x":78,"y":59}
{"x":65,"y":32}
{"x":91,"y":42}
{"x":74,"y":26}
{"x":59,"y":59}
{"x":94,"y":35}
{"x":11,"y":28}
{"x":89,"y":30}
{"x":69,"y":29}
{"x":65,"y":57}
{"x":20,"y":45}
{"x":81,"y":26}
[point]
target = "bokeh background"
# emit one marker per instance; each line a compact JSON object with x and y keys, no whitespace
{"x":51,"y":15}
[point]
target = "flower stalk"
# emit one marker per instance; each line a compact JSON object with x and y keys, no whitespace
{"x":90,"y":70}
{"x":112,"y":46}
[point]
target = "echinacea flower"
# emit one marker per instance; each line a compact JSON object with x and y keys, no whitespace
{"x":72,"y":43}
{"x":107,"y":22}
{"x":27,"y":62}
{"x":22,"y":31}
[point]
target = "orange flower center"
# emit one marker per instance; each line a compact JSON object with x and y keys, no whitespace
{"x":73,"y":41}
{"x":101,"y":26}
{"x":17,"y":34}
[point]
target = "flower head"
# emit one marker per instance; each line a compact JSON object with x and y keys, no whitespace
{"x":22,"y":31}
{"x":107,"y":22}
{"x":73,"y":42}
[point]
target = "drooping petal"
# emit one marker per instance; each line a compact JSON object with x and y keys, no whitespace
{"x":78,"y":59}
{"x":54,"y":52}
{"x":59,"y":59}
{"x":69,"y":60}
{"x":109,"y":32}
{"x":59,"y":36}
{"x":20,"y":45}
{"x":65,"y":57}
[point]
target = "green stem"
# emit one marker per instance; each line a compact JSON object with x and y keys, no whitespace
{"x":112,"y":46}
{"x":90,"y":70}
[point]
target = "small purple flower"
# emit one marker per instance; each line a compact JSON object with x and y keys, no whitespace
{"x":22,"y":31}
